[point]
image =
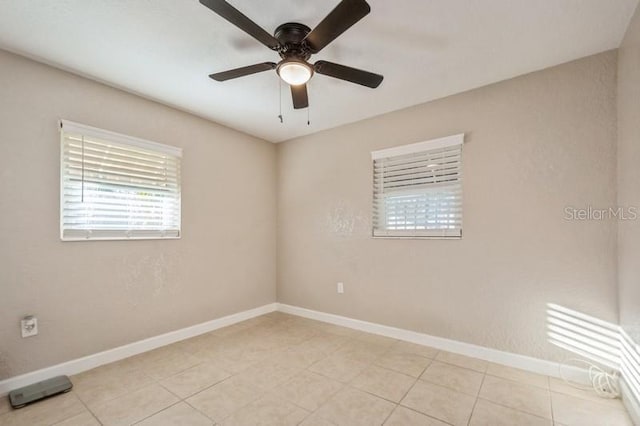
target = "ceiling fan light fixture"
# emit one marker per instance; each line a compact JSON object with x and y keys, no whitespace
{"x":294,"y":72}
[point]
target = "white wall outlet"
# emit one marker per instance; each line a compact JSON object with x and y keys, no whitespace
{"x":29,"y":326}
{"x":340,"y":288}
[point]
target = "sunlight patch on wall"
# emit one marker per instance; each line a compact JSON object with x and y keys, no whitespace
{"x":584,"y":335}
{"x":630,"y":365}
{"x":600,"y":341}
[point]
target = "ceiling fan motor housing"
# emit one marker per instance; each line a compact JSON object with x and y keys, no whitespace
{"x":291,"y":36}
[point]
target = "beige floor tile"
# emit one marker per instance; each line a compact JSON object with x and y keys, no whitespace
{"x":487,"y":413}
{"x":267,"y":375}
{"x":135,"y":406}
{"x":208,"y":353}
{"x":412,"y":348}
{"x":293,"y":335}
{"x":305,"y":321}
{"x":268,"y":327}
{"x":457,"y":378}
{"x":462,"y":361}
{"x":403,"y":362}
{"x":403,"y":416}
{"x":572,"y":411}
{"x":5,"y":406}
{"x":228,"y":344}
{"x":339,"y":367}
{"x":439,"y":402}
{"x":264,"y":344}
{"x":275,"y":329}
{"x":259,"y":345}
{"x":335,"y":329}
{"x":46,"y":412}
{"x":325,"y":343}
{"x":177,"y":415}
{"x":522,"y":397}
{"x":362,"y":351}
{"x":353,"y":407}
{"x":231,"y":362}
{"x":308,"y":390}
{"x":518,"y":375}
{"x":107,"y":386}
{"x":170,"y":365}
{"x":301,"y":356}
{"x":315,"y":420}
{"x":220,"y":401}
{"x":269,"y":410}
{"x":105,"y":373}
{"x":83,"y":419}
{"x":584,"y":392}
{"x":384,"y":383}
{"x":195,"y":344}
{"x":149,"y":357}
{"x":194,"y":379}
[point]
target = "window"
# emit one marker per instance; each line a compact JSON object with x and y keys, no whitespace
{"x":115,"y":187}
{"x":417,"y":190}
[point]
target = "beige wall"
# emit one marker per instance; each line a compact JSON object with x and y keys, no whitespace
{"x":535,"y":145}
{"x":91,"y":296}
{"x":629,"y":176}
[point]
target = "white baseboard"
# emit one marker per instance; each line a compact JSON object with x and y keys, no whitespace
{"x":92,"y":361}
{"x":79,"y":365}
{"x":534,"y":365}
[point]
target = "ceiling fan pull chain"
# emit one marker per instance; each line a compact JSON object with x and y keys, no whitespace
{"x":280,"y":86}
{"x":308,"y":115}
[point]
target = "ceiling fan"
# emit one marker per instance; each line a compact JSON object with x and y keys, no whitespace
{"x":295,"y":43}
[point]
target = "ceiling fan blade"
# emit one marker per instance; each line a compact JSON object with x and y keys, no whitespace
{"x":340,"y":19}
{"x":241,"y":72}
{"x":353,"y":75}
{"x":300,"y":97}
{"x":234,"y":16}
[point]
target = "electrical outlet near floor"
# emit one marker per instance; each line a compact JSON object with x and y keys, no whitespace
{"x":340,"y":288}
{"x":29,"y":326}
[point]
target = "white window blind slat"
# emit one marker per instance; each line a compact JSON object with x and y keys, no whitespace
{"x":417,"y":190}
{"x":117,"y":187}
{"x":413,"y":160}
{"x":77,"y":130}
{"x":115,"y":164}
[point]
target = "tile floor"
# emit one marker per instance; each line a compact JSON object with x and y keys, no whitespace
{"x":283,"y":370}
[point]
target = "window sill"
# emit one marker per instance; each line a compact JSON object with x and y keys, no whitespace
{"x":403,"y":237}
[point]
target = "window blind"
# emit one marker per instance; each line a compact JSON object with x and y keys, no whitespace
{"x":417,"y":190}
{"x":117,"y":187}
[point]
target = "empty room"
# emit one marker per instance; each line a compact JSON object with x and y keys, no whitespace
{"x":340,"y":212}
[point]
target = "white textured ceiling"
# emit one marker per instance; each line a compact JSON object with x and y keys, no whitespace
{"x":426,"y":49}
